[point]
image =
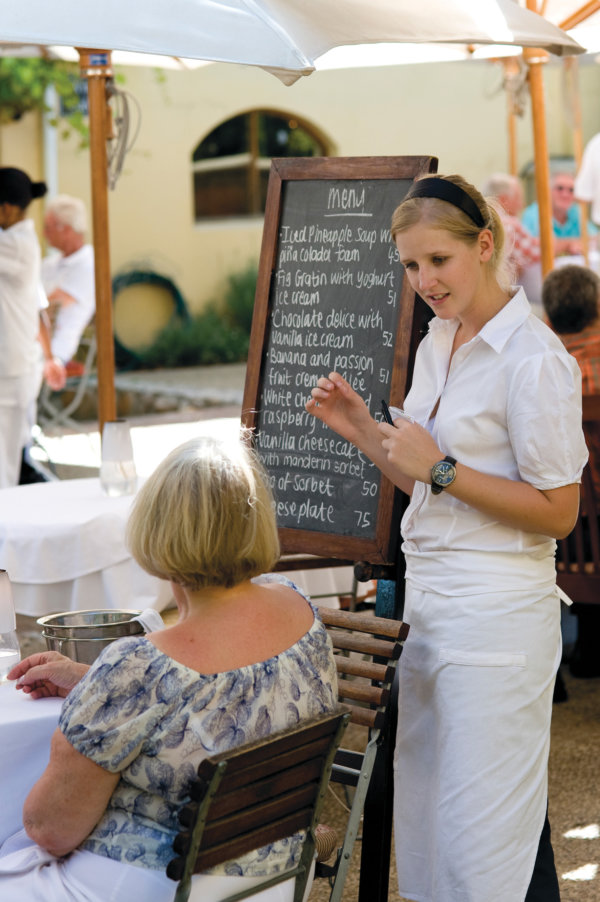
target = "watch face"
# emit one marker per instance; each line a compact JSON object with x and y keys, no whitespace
{"x":443,"y":473}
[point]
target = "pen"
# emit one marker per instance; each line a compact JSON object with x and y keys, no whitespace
{"x":386,"y":413}
{"x":397,"y":413}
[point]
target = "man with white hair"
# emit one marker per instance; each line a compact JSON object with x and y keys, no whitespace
{"x":68,"y":277}
{"x":523,"y":248}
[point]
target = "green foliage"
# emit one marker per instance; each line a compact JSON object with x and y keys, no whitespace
{"x":238,"y":303}
{"x":217,"y":335}
{"x":23,"y":83}
{"x":207,"y":339}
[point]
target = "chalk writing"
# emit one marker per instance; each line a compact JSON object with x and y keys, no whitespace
{"x":333,"y":306}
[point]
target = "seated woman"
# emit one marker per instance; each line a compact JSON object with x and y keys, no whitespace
{"x":247,"y":657}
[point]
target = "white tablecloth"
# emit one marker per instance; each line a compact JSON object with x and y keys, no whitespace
{"x":26,"y":727}
{"x":63,"y":545}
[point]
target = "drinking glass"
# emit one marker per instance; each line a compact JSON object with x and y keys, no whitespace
{"x":10,"y":653}
{"x":117,"y":469}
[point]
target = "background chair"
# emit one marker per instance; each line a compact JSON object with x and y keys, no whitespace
{"x":578,"y":556}
{"x":51,"y":410}
{"x":367,"y":652}
{"x":253,"y":795}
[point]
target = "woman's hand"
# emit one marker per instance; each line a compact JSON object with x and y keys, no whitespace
{"x":337,"y":405}
{"x":410,"y":449}
{"x":47,"y":674}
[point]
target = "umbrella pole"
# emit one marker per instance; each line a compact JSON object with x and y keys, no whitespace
{"x":535,"y":59}
{"x":96,"y":68}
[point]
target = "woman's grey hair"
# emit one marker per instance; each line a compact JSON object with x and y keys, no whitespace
{"x":570,"y":298}
{"x":69,"y":211}
{"x":205,"y":517}
{"x":440,"y":214}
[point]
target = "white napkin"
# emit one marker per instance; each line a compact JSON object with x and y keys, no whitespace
{"x":150,"y":620}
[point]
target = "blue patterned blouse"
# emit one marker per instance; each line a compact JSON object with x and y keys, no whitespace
{"x":152,"y":719}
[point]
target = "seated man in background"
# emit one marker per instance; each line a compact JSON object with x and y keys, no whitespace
{"x":68,"y":277}
{"x":524,"y":252}
{"x":523,"y":247}
{"x":566,"y":223}
{"x":570,"y":296}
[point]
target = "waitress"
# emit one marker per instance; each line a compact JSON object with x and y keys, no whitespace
{"x":21,"y":297}
{"x":492,"y":464}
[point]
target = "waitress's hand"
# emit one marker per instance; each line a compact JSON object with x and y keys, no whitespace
{"x":337,"y":405}
{"x":47,"y":674}
{"x":410,"y":448}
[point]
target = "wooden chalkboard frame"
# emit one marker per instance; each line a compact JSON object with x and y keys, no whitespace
{"x":383,"y":548}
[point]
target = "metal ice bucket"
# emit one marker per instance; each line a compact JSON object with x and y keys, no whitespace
{"x":81,"y":635}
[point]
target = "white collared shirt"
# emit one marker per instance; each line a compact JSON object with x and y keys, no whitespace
{"x":74,"y":275}
{"x":510,"y":406}
{"x":19,"y":298}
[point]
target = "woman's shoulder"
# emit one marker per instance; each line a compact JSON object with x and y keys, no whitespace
{"x":278,"y":579}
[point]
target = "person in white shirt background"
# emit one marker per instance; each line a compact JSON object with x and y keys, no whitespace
{"x":491,"y":455}
{"x":587,"y":182}
{"x":68,"y":276}
{"x":20,"y":321}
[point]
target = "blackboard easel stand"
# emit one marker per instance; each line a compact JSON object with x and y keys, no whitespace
{"x":379,"y":803}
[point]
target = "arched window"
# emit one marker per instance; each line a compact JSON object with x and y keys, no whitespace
{"x":231,"y":165}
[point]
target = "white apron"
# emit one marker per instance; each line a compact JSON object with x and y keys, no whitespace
{"x":476,"y":682}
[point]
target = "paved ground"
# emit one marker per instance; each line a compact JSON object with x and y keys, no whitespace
{"x":175,"y":403}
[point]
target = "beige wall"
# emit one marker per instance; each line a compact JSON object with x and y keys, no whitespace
{"x":456,"y":111}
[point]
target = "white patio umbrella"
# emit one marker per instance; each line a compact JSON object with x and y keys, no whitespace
{"x":284,"y":36}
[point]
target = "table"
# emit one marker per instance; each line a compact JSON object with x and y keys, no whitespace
{"x":63,"y":546}
{"x":26,"y":727}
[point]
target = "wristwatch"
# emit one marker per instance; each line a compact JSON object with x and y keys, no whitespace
{"x":443,"y":474}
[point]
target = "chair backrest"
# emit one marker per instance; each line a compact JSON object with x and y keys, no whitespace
{"x":256,"y":794}
{"x":367,"y":652}
{"x":368,"y":649}
{"x":578,"y":556}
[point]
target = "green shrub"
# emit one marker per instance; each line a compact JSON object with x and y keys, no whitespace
{"x":238,"y":302}
{"x":217,"y":335}
{"x":206,"y":340}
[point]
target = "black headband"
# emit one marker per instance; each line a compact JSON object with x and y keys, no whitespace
{"x":451,"y":193}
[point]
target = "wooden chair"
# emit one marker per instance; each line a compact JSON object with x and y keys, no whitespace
{"x":367,"y":652}
{"x":253,"y":795}
{"x":578,"y":556}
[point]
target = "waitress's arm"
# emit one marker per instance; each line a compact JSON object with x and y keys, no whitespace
{"x":549,"y":512}
{"x":68,"y":800}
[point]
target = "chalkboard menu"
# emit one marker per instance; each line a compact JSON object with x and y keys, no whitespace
{"x":330,"y":297}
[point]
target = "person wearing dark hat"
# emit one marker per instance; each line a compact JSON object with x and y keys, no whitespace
{"x":20,"y":296}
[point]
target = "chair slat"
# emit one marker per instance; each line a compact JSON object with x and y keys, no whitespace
{"x":254,"y":792}
{"x":251,"y":754}
{"x":364,"y":644}
{"x":255,"y":839}
{"x":352,"y":666}
{"x":380,"y":626}
{"x":371,"y":695}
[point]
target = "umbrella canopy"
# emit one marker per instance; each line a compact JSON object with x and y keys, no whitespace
{"x":581,"y":18}
{"x":284,"y":36}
